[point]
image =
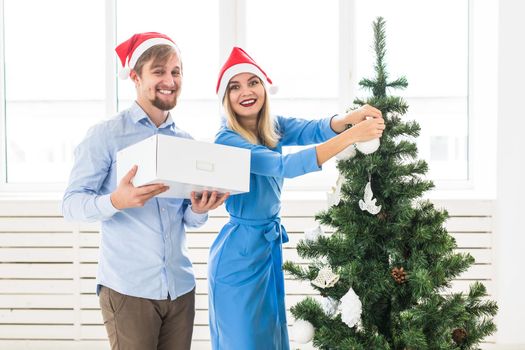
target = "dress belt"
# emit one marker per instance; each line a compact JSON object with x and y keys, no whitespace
{"x":273,"y":229}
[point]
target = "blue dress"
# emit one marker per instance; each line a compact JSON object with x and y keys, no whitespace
{"x":246,"y":281}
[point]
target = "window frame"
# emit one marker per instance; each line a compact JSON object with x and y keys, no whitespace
{"x":482,"y":105}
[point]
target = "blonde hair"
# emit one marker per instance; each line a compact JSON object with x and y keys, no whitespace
{"x":267,"y":133}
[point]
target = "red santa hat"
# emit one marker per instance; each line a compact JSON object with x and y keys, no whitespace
{"x":240,"y":62}
{"x":130,"y":50}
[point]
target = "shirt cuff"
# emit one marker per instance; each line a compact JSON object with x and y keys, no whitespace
{"x":196,"y":217}
{"x":326,"y":129}
{"x":309,"y":160}
{"x":105,"y":206}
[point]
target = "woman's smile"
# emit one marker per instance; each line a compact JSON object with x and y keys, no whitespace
{"x":248,"y":102}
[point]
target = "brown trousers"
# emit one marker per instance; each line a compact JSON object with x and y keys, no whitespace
{"x":143,"y":324}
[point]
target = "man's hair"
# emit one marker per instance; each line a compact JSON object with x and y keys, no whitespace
{"x":160,"y":55}
{"x":267,"y":133}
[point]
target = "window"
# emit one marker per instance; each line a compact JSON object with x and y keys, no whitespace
{"x":434,"y":58}
{"x":304,"y":68}
{"x":195,"y":31}
{"x":63,"y":78}
{"x":54,"y":84}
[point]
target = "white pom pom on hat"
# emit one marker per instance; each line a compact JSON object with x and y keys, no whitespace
{"x":124,"y":73}
{"x":240,"y":62}
{"x":130,"y":50}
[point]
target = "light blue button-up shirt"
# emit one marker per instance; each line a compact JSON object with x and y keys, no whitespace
{"x":143,"y":250}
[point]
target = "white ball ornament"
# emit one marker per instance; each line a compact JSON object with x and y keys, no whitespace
{"x":303,"y":331}
{"x":333,"y":197}
{"x":313,"y":234}
{"x":330,"y":306}
{"x":347,"y":153}
{"x":368,"y":147}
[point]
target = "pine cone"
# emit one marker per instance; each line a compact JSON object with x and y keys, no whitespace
{"x":459,"y":335}
{"x":382,"y":216}
{"x":399,"y":275}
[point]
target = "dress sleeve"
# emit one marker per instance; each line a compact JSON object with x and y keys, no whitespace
{"x":268,"y":162}
{"x":299,"y":132}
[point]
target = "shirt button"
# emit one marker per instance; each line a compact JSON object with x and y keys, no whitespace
{"x":163,"y":209}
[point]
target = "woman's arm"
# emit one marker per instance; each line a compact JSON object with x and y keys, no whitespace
{"x":339,"y":122}
{"x":301,"y":132}
{"x":268,"y":162}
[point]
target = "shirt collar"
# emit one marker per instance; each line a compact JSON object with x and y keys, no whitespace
{"x":137,"y":114}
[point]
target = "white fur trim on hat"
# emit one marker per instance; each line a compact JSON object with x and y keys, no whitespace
{"x":139,"y":51}
{"x":237,"y":69}
{"x":145,"y":45}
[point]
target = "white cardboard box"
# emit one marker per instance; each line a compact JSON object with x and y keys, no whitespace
{"x":186,"y":165}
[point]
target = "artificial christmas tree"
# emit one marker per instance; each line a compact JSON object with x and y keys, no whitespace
{"x":391,"y":254}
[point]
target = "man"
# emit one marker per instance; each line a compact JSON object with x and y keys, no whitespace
{"x":145,"y":280}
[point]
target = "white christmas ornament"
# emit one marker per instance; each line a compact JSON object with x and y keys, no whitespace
{"x":330,"y":306}
{"x":303,"y":331}
{"x":326,"y":278}
{"x":368,"y":147}
{"x":333,"y":197}
{"x":350,"y":308}
{"x":369,"y":203}
{"x":347,"y":153}
{"x":313,"y":234}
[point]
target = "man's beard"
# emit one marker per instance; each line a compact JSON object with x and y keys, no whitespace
{"x":164,"y":105}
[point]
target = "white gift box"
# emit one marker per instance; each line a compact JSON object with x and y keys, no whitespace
{"x":186,"y":165}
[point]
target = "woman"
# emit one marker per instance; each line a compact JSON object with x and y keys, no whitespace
{"x":246,"y":282}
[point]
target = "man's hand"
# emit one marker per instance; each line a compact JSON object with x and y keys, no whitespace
{"x":128,"y":196}
{"x":206,"y":203}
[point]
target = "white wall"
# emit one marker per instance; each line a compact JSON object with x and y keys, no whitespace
{"x":510,"y":224}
